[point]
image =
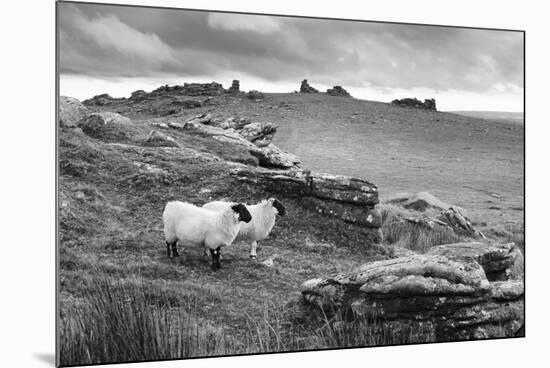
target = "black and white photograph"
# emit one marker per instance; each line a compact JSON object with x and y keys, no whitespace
{"x":237,"y":183}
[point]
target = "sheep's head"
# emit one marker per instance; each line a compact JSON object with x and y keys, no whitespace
{"x":281,"y":211}
{"x":241,"y":210}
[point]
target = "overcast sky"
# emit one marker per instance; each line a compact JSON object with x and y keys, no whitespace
{"x":116,"y":50}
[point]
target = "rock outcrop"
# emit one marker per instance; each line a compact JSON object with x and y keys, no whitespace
{"x":350,"y":199}
{"x":456,"y":218}
{"x":70,"y":111}
{"x":428,"y":104}
{"x":419,"y":201}
{"x":338,"y":91}
{"x":254,"y":136}
{"x":451,"y":298}
{"x":255,"y":95}
{"x":274,"y":157}
{"x":203,"y":89}
{"x":306,"y":88}
{"x":191,"y":89}
{"x":235,"y":88}
{"x":138,"y":95}
{"x":158,"y":139}
{"x":101,"y":100}
{"x":107,"y":126}
{"x":259,"y":133}
{"x":500,"y":261}
{"x":450,"y":218}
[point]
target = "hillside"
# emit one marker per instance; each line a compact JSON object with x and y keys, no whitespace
{"x":474,"y":163}
{"x":115,"y":180}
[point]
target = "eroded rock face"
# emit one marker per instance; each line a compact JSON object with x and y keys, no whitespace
{"x":338,"y":91}
{"x":202,"y":89}
{"x":452,"y":218}
{"x":306,"y":88}
{"x":428,"y":104}
{"x":367,"y":216}
{"x":451,"y":297}
{"x":156,"y":138}
{"x":273,"y":156}
{"x":456,"y":218}
{"x":235,"y":88}
{"x":259,"y":133}
{"x":255,"y":137}
{"x":71,"y":111}
{"x":108,"y":126}
{"x":301,"y":183}
{"x":346,"y":198}
{"x":498,"y":260}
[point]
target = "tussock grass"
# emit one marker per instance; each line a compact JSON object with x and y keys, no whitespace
{"x":133,"y":321}
{"x":516,"y":234}
{"x":408,"y":235}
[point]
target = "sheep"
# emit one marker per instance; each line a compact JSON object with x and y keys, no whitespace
{"x":263,"y":220}
{"x":204,"y":227}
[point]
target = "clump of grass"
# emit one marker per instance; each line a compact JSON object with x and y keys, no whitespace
{"x":516,"y":234}
{"x":358,"y":330}
{"x":128,"y":321}
{"x":406,"y":234}
{"x":509,"y":233}
{"x":314,"y":329}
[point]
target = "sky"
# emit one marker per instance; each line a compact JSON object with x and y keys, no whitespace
{"x":117,"y":50}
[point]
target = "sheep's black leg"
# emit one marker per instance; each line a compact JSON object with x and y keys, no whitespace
{"x":215,"y":253}
{"x":168,"y":250}
{"x":175,"y":249}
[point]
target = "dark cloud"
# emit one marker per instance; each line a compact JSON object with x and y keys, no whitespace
{"x":114,"y":41}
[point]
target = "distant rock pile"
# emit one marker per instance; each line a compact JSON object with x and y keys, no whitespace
{"x":338,"y":91}
{"x":445,"y":293}
{"x":428,"y":104}
{"x":255,"y":95}
{"x":138,"y":95}
{"x":235,"y":88}
{"x":101,"y":100}
{"x":191,"y":89}
{"x":203,"y":89}
{"x":306,"y":88}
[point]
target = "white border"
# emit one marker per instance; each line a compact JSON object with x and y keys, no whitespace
{"x":27,"y":152}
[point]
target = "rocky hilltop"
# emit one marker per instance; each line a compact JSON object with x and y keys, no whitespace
{"x":428,"y":104}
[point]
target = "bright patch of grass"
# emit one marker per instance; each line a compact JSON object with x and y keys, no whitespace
{"x":418,"y":238}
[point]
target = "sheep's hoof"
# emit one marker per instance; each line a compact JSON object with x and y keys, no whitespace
{"x":253,"y":257}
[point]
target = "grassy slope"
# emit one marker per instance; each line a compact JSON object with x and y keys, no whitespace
{"x":111,"y":227}
{"x":111,"y":210}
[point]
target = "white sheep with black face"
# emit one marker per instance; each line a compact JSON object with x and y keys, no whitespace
{"x":197,"y":226}
{"x":263,"y":215}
